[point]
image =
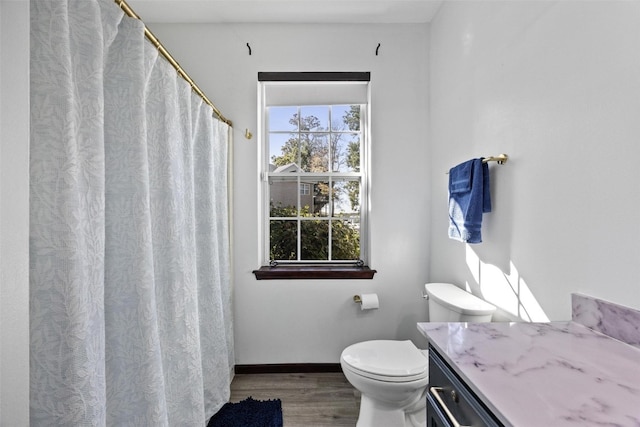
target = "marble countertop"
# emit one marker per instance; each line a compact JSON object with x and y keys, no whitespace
{"x":544,"y":374}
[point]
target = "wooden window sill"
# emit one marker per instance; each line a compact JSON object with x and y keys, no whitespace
{"x":289,"y":272}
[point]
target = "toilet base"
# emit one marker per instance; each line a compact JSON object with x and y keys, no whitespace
{"x":375,"y":414}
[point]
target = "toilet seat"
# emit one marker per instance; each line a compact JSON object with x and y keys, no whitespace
{"x":386,"y":360}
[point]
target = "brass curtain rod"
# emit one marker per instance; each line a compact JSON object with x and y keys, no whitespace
{"x":154,"y":40}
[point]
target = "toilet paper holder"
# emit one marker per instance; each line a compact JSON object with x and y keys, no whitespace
{"x":367,"y":301}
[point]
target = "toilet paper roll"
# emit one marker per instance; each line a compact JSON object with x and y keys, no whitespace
{"x":369,"y":301}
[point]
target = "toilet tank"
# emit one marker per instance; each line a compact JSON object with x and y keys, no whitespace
{"x":449,"y":303}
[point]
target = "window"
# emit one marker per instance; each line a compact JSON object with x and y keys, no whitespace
{"x":314,"y":164}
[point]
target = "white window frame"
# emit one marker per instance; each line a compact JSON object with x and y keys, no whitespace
{"x":305,"y":189}
{"x":264,"y":161}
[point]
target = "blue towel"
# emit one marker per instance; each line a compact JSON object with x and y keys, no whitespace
{"x":469,"y":198}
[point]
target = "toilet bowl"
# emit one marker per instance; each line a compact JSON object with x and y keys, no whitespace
{"x":392,"y":379}
{"x":392,"y":376}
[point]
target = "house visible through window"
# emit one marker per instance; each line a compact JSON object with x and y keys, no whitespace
{"x":314,"y":167}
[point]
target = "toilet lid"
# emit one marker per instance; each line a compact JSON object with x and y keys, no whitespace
{"x":387,"y":358}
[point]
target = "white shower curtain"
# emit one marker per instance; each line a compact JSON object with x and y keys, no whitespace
{"x":130,"y":300}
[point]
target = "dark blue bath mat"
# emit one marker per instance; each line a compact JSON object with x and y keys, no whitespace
{"x":249,"y":413}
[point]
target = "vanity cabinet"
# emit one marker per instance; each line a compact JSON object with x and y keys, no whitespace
{"x":450,"y":402}
{"x":527,"y":374}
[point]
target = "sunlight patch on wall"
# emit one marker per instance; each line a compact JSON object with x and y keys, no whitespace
{"x":506,"y":290}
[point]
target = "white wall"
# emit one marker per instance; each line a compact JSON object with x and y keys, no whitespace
{"x":556,"y":86}
{"x":312,"y":321}
{"x":14,"y":213}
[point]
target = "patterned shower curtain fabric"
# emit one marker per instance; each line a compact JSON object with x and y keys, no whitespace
{"x":130,"y":301}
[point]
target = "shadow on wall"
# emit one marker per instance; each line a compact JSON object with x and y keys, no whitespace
{"x":494,"y":276}
{"x":506,"y":290}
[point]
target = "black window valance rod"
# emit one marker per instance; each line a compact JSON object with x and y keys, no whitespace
{"x":314,"y":76}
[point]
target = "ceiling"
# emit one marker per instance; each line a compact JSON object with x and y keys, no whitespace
{"x":286,"y":11}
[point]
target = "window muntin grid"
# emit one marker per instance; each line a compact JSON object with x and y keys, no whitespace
{"x":315,"y":147}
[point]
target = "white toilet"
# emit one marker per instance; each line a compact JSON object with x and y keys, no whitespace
{"x":392,"y":376}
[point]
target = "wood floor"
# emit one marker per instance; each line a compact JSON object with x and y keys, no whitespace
{"x":308,"y":399}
